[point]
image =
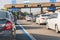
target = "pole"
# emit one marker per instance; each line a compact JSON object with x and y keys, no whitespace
{"x":30,"y":10}
{"x":41,"y":10}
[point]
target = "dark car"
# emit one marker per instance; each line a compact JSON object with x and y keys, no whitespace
{"x":7,"y":25}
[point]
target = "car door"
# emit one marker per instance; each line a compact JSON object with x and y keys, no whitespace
{"x":52,"y":21}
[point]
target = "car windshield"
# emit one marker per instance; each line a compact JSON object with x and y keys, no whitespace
{"x":54,"y":15}
{"x":3,"y":14}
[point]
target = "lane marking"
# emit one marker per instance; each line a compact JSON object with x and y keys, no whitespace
{"x":28,"y":36}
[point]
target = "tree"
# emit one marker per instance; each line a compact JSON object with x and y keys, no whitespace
{"x":25,"y":13}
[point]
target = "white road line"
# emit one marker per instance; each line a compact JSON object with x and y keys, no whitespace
{"x":26,"y":32}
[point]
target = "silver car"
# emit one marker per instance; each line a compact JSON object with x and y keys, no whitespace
{"x":7,"y":25}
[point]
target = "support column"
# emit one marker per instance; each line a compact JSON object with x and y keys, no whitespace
{"x":41,"y":10}
{"x":30,"y":10}
{"x":20,"y":10}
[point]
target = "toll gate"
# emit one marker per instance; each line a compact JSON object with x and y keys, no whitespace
{"x":34,"y":5}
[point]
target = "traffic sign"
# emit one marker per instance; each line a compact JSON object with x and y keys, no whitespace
{"x":14,"y":9}
{"x":52,"y":7}
{"x":52,"y":0}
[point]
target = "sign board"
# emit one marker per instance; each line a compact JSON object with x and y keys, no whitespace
{"x":51,"y":8}
{"x":52,"y":0}
{"x":13,"y":1}
{"x":14,"y":10}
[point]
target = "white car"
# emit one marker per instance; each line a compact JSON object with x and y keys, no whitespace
{"x":54,"y":22}
{"x":42,"y":19}
{"x":28,"y":17}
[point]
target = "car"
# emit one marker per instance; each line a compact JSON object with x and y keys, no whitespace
{"x":29,"y":17}
{"x":42,"y":19}
{"x":54,"y":22}
{"x":21,"y":16}
{"x":34,"y":18}
{"x":7,"y":25}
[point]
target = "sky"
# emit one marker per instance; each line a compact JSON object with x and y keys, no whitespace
{"x":3,"y":2}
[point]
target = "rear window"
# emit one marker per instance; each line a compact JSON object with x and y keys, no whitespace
{"x":2,"y":21}
{"x":3,"y":14}
{"x":45,"y":15}
{"x":29,"y":15}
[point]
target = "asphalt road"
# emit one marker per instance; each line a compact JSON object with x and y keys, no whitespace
{"x":21,"y":34}
{"x":32,"y":31}
{"x":39,"y":32}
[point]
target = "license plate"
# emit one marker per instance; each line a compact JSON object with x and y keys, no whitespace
{"x":0,"y":24}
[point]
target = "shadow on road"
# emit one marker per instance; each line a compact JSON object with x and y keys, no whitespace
{"x":45,"y":37}
{"x":26,"y":23}
{"x":5,"y":38}
{"x":18,"y":28}
{"x":20,"y":37}
{"x":30,"y":27}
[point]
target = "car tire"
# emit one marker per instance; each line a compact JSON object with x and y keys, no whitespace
{"x":14,"y":34}
{"x":47,"y":27}
{"x":56,"y":29}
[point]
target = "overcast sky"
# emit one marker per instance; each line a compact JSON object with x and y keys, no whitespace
{"x":3,"y":2}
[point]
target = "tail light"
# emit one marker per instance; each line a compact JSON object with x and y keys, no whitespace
{"x":43,"y":18}
{"x":8,"y":25}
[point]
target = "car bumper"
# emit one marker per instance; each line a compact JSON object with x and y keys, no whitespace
{"x":43,"y":21}
{"x":6,"y":33}
{"x":28,"y":19}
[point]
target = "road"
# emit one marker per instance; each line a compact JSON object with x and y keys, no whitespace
{"x":39,"y":32}
{"x":32,"y":31}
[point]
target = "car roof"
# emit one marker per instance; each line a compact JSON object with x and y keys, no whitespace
{"x":5,"y":11}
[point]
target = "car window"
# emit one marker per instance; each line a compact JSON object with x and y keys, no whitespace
{"x":54,"y":15}
{"x":45,"y":15}
{"x":4,"y":15}
{"x":2,"y":21}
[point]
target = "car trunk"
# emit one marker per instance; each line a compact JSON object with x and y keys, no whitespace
{"x":2,"y":24}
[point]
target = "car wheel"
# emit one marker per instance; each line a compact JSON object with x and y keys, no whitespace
{"x":14,"y":34}
{"x":47,"y":27}
{"x":56,"y":29}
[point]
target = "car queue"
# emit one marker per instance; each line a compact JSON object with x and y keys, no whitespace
{"x":7,"y":24}
{"x":52,"y":20}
